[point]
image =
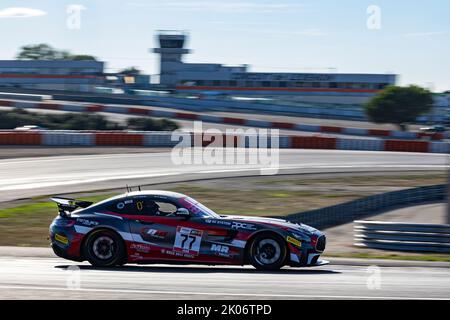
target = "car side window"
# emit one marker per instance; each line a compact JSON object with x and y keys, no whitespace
{"x":166,"y":208}
{"x":123,"y":206}
{"x":153,"y":206}
{"x":144,"y":206}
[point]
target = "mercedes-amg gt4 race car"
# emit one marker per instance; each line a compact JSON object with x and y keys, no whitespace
{"x":168,"y":227}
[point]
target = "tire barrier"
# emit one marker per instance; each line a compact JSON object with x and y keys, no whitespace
{"x":69,"y":138}
{"x":313,"y":143}
{"x":21,"y":138}
{"x":118,"y":139}
{"x":147,"y":111}
{"x":399,"y":236}
{"x":361,"y":208}
{"x":405,"y":145}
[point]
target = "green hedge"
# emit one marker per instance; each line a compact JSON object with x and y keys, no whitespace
{"x":79,"y":121}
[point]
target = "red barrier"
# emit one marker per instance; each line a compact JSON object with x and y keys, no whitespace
{"x":233,"y":120}
{"x":20,"y":138}
{"x":430,"y":135}
{"x":137,"y":111}
{"x":283,"y":125}
{"x":208,"y":139}
{"x":331,"y":129}
{"x":184,"y":115}
{"x":6,"y":103}
{"x":95,"y":108}
{"x":313,"y":143}
{"x":406,"y":145}
{"x":379,"y":133}
{"x":119,"y":139}
{"x":437,"y":136}
{"x":49,"y":106}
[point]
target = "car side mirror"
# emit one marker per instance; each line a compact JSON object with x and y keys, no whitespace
{"x":183,"y":212}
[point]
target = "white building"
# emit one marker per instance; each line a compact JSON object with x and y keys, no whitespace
{"x":237,"y":80}
{"x":52,"y":74}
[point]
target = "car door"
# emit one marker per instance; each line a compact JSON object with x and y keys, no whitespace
{"x":155,"y":233}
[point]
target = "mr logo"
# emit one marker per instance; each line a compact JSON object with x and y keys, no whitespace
{"x":219,"y":248}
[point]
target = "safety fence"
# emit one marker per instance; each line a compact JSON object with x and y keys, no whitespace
{"x":367,"y":206}
{"x":415,"y":237}
{"x":69,"y":138}
{"x":147,"y":111}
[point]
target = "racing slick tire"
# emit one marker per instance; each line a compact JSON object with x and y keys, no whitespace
{"x":104,"y":248}
{"x":267,"y":252}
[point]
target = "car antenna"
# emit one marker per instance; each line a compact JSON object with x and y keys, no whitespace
{"x":128,"y":189}
{"x":139,"y":188}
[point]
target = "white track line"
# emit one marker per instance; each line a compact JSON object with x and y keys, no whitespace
{"x":222,"y":294}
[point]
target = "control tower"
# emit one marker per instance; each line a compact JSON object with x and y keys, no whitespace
{"x":171,"y":50}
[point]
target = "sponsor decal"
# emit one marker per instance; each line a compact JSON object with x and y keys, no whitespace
{"x":221,"y":250}
{"x":188,"y":240}
{"x":177,"y":254}
{"x":87,"y":222}
{"x":294,"y":241}
{"x":219,"y":222}
{"x":159,"y":196}
{"x":140,"y":247}
{"x":61,"y":239}
{"x":136,"y":256}
{"x":241,"y":225}
{"x":153,"y":233}
{"x":120,"y":205}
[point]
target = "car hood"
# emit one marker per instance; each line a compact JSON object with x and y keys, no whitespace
{"x":285,"y":224}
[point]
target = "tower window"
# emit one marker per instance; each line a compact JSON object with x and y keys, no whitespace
{"x":177,"y":44}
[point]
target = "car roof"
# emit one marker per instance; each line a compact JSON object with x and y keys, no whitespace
{"x":162,"y":193}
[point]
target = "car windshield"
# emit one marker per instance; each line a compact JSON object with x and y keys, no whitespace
{"x":198,"y":209}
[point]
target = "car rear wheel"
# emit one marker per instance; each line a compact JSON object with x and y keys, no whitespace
{"x":104,"y":248}
{"x":267,"y":252}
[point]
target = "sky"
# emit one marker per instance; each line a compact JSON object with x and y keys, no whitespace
{"x":408,"y":38}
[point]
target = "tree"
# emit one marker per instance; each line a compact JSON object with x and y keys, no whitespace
{"x":131,"y":71}
{"x":399,"y":105}
{"x":43,"y":51}
{"x":79,"y":57}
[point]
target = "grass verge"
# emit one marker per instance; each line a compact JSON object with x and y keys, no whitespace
{"x":26,"y":224}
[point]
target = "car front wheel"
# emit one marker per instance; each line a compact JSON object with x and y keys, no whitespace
{"x":267,"y":252}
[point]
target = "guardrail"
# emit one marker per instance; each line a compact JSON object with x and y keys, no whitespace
{"x":367,"y":206}
{"x":23,"y":96}
{"x":398,"y":236}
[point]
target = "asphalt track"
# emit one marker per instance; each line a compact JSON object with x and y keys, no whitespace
{"x":28,"y":177}
{"x":25,"y":277}
{"x":50,"y":278}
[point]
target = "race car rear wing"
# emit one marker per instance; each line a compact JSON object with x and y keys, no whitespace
{"x":67,"y":205}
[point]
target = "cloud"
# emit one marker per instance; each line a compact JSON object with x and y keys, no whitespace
{"x":21,"y":13}
{"x":425,"y":34}
{"x":221,"y":6}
